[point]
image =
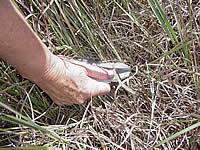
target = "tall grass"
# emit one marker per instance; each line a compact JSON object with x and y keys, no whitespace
{"x":160,"y":108}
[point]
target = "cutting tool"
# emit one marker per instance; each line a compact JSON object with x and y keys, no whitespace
{"x":120,"y":70}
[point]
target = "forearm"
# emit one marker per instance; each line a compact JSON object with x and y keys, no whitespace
{"x":65,"y":82}
{"x":19,"y":46}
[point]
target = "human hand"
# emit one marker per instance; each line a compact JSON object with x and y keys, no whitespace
{"x":65,"y":82}
{"x":68,"y":83}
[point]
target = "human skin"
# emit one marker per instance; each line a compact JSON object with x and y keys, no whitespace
{"x":65,"y":82}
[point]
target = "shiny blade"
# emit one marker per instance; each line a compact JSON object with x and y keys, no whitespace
{"x":123,"y":70}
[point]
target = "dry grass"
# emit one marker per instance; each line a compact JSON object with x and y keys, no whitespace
{"x":166,"y":98}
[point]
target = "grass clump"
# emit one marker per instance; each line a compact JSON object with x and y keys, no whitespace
{"x":159,"y":40}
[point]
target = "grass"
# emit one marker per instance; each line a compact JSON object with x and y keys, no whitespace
{"x":156,"y":108}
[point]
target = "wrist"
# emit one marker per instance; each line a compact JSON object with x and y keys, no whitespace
{"x":36,"y":68}
{"x":49,"y":71}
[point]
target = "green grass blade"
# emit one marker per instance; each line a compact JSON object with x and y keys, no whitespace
{"x":178,"y":24}
{"x":164,"y":16}
{"x":176,"y":48}
{"x":134,"y":19}
{"x":23,"y":123}
{"x":160,"y":19}
{"x":177,"y":134}
{"x":14,"y":85}
{"x":33,"y":148}
{"x":88,"y":21}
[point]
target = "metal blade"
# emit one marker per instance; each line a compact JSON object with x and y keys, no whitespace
{"x":123,"y":70}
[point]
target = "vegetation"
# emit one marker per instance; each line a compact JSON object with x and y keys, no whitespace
{"x":159,"y":40}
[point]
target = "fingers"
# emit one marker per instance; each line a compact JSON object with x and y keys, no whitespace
{"x":64,"y":92}
{"x":92,"y":88}
{"x":93,"y":71}
{"x":87,"y":88}
{"x":95,"y":88}
{"x":99,"y":73}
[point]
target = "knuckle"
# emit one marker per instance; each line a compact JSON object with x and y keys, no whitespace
{"x":80,"y":100}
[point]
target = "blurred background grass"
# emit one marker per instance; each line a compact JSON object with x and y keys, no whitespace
{"x":160,"y":42}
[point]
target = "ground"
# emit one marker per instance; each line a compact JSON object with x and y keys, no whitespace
{"x":164,"y":81}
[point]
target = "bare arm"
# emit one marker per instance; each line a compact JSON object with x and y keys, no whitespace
{"x":65,"y":83}
{"x":19,"y":46}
